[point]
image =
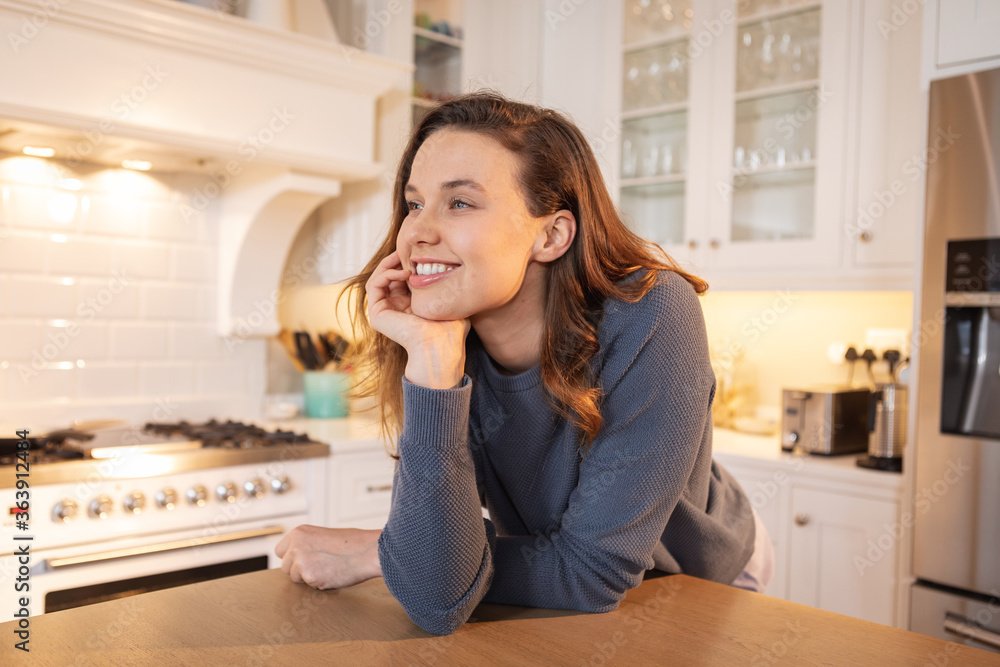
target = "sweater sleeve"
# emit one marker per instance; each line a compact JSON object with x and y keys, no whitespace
{"x":659,"y":387}
{"x":436,"y":549}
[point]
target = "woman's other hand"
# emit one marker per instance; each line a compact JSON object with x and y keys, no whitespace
{"x":435,"y":349}
{"x":329,"y":557}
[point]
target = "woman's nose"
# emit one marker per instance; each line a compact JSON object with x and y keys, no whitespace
{"x":420,"y":227}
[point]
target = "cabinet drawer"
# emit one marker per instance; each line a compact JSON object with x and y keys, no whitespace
{"x":363,"y":485}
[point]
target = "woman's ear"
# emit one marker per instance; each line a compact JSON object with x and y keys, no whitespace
{"x":555,"y":237}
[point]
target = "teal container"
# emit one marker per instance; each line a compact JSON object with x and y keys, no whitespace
{"x":326,"y":394}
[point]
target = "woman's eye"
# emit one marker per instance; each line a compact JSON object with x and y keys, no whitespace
{"x":410,"y":205}
{"x":456,"y":202}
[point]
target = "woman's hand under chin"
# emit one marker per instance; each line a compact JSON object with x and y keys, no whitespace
{"x":435,"y":349}
{"x":329,"y":557}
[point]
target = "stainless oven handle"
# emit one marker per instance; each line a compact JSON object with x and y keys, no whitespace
{"x":164,"y":546}
{"x":966,"y":628}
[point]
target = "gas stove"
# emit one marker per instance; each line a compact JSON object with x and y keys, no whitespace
{"x":186,"y":445}
{"x":162,"y":503}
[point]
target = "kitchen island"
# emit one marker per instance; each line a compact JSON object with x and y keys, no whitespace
{"x":263,"y":618}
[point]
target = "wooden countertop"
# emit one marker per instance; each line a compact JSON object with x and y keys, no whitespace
{"x":263,"y":618}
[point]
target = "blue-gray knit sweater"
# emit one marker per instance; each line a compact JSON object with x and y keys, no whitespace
{"x":566,"y":530}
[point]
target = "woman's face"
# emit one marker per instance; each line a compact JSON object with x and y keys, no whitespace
{"x":468,"y":237}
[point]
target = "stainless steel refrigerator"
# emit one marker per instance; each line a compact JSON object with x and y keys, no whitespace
{"x":957,"y":442}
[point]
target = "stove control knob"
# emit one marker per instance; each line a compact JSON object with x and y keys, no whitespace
{"x":198,"y":495}
{"x":226,"y":492}
{"x":280,"y":484}
{"x":254,"y":488}
{"x":167,"y":499}
{"x":100,"y":507}
{"x":135,"y":502}
{"x":65,"y":510}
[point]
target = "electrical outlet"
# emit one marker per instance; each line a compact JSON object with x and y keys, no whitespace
{"x":881,"y":340}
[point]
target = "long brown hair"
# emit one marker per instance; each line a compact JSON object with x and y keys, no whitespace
{"x":558,"y":171}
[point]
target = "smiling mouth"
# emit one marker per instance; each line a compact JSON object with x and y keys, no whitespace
{"x":431,"y":269}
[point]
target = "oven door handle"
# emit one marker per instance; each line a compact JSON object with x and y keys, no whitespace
{"x":966,"y":628}
{"x":54,"y":563}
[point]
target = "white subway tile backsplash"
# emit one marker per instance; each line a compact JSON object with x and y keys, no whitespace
{"x":222,"y":377}
{"x":75,"y":256}
{"x":35,"y":382}
{"x":107,"y":293}
{"x":138,"y":341}
{"x":174,"y":221}
{"x":22,"y":253}
{"x":42,"y":297}
{"x":19,"y":340}
{"x":162,"y":379}
{"x":75,"y":340}
{"x":116,"y":297}
{"x":194,"y":264}
{"x":208,"y":305}
{"x":174,"y":302}
{"x":44,"y":208}
{"x":144,"y":260}
{"x":117,"y":215}
{"x":100,"y":380}
{"x":195,"y":341}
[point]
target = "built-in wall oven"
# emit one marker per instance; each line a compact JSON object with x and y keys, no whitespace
{"x":153,"y":516}
{"x":957,"y":442}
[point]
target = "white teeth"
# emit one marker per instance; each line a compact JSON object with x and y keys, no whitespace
{"x":431,"y":269}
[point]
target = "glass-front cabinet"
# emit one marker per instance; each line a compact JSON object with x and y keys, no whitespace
{"x":733,"y":129}
{"x":437,"y":54}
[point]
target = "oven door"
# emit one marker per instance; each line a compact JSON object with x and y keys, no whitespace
{"x":80,"y":575}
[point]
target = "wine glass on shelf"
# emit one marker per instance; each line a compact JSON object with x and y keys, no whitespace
{"x":653,"y":83}
{"x":768,"y":67}
{"x":633,"y":90}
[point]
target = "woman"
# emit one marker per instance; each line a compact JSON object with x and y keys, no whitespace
{"x":538,"y":359}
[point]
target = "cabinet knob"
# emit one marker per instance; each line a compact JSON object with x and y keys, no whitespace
{"x":866,"y":236}
{"x":372,"y":488}
{"x":801,"y":519}
{"x":713,"y":244}
{"x":692,"y":244}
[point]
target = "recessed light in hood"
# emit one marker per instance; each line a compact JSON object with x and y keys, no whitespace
{"x":138,"y":165}
{"x":78,"y":147}
{"x":38,"y":151}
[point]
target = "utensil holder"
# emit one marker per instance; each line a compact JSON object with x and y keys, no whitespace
{"x":326,"y":394}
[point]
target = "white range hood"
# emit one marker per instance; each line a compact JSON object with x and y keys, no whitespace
{"x":280,"y":120}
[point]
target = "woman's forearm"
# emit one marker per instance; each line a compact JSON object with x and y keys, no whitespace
{"x":370,"y":565}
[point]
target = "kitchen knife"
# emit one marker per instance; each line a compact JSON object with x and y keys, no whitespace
{"x":307,"y":350}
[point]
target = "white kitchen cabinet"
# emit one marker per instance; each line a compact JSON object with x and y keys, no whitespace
{"x":360,"y":489}
{"x":837,"y":531}
{"x":967,"y":31}
{"x":842,"y":553}
{"x":741,"y":150}
{"x":959,"y":36}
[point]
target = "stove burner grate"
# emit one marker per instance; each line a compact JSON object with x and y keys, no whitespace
{"x":228,"y":434}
